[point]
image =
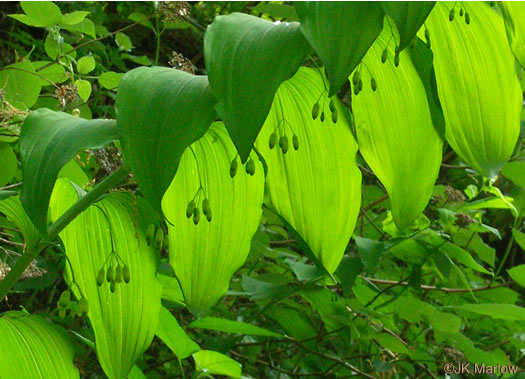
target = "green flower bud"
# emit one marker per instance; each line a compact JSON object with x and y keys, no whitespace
{"x":355,"y":78}
{"x":295,"y":142}
{"x":334,"y":116}
{"x":118,"y":274}
{"x":112,"y":286}
{"x":62,"y":312}
{"x":360,"y":85}
{"x":283,"y":141}
{"x":332,"y":105}
{"x":384,"y":55}
{"x":208,"y":215}
{"x":126,"y":274}
{"x":396,"y":60}
{"x":273,"y":140}
{"x":322,"y":116}
{"x":356,"y":90}
{"x":467,"y":18}
{"x":205,"y":206}
{"x":196,"y":216}
{"x":461,"y":12}
{"x":110,"y":274}
{"x":190,"y":208}
{"x":373,"y":84}
{"x":64,"y":299}
{"x":451,"y":15}
{"x":150,"y":232}
{"x":250,"y":167}
{"x":233,"y":167}
{"x":100,"y":277}
{"x":315,"y":111}
{"x":83,"y":306}
{"x":159,"y":237}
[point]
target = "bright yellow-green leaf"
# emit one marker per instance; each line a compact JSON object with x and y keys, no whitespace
{"x":317,"y":188}
{"x":20,"y":85}
{"x":395,"y":131}
{"x":517,"y":274}
{"x":514,"y":14}
{"x":12,"y":208}
{"x":477,"y":85}
{"x":169,"y":331}
{"x":205,"y":256}
{"x":212,"y":362}
{"x":32,"y":348}
{"x":84,"y":89}
{"x":110,"y":79}
{"x":86,"y":64}
{"x":125,"y":321}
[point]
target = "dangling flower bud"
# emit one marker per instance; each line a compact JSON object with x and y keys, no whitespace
{"x":273,"y":140}
{"x":315,"y":111}
{"x":283,"y":141}
{"x":295,"y":142}
{"x":451,"y":15}
{"x":83,"y":306}
{"x":190,"y":208}
{"x":126,"y":274}
{"x":233,"y":167}
{"x":467,"y":18}
{"x":334,"y":116}
{"x":100,"y":277}
{"x":250,"y":167}
{"x":150,"y":232}
{"x":373,"y":84}
{"x":384,"y":56}
{"x":196,"y":216}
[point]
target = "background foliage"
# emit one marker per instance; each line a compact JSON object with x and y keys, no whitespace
{"x":446,"y":287}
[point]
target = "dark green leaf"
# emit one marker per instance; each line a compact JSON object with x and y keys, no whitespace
{"x":340,"y":33}
{"x":48,"y":140}
{"x":230,"y":326}
{"x":247,"y":58}
{"x":160,"y":112}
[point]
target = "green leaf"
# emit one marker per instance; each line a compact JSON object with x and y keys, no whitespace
{"x":508,"y":312}
{"x":212,"y":362}
{"x":276,"y":10}
{"x":370,"y":252}
{"x":74,"y":18}
{"x":160,"y":112}
{"x":48,"y":140}
{"x":519,"y":237}
{"x":317,"y":188}
{"x":86,"y":26}
{"x":477,"y":85}
{"x":169,"y":331}
{"x":230,"y":326}
{"x":9,"y":163}
{"x":395,"y":132}
{"x":84,"y":89}
{"x":125,"y":321}
{"x":515,"y":172}
{"x":54,"y":73}
{"x":44,"y":13}
{"x":86,"y":64}
{"x":110,"y":79}
{"x":123,"y":41}
{"x":245,"y":91}
{"x":142,"y":18}
{"x":391,"y":343}
{"x":12,"y":208}
{"x":517,"y":274}
{"x":513,"y":14}
{"x":20,"y":85}
{"x":203,"y":251}
{"x":142,"y":60}
{"x":171,"y":290}
{"x":33,"y":348}
{"x":340,"y":33}
{"x":463,"y":256}
{"x":408,"y":16}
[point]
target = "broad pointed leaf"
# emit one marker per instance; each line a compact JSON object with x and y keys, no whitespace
{"x":317,"y":188}
{"x":231,"y":326}
{"x":408,"y":16}
{"x":49,"y":140}
{"x":205,"y":256}
{"x":340,"y":33}
{"x":31,"y":347}
{"x":213,"y":362}
{"x":514,"y":14}
{"x":247,"y":58}
{"x":477,"y":85}
{"x":169,"y":331}
{"x":160,"y":112}
{"x":395,"y":132}
{"x":125,"y":321}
